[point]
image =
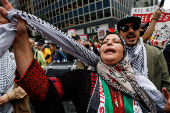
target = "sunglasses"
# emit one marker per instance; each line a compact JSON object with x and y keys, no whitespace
{"x":125,"y":28}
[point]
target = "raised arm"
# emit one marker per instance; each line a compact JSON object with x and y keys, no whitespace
{"x":149,"y":31}
{"x":22,"y":49}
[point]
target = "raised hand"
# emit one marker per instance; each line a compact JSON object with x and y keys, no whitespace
{"x":167,"y":96}
{"x":22,"y":48}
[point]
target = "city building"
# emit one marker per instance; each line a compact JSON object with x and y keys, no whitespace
{"x":140,"y":3}
{"x":85,"y":16}
{"x":26,"y":5}
{"x":15,"y":4}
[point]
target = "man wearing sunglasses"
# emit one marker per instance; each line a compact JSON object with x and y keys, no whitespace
{"x":147,"y":60}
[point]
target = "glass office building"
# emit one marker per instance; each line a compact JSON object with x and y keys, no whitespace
{"x":85,"y":16}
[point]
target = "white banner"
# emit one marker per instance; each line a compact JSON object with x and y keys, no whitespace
{"x":162,"y":28}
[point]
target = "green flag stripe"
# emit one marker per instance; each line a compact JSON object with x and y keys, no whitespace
{"x":108,"y":99}
{"x":128,"y":103}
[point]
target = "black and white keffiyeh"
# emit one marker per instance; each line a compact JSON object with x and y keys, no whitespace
{"x":51,"y":32}
{"x":7,"y":70}
{"x":138,"y":57}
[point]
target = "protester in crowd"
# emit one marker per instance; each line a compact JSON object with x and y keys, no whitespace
{"x":89,"y":45}
{"x":45,"y":49}
{"x":146,"y":59}
{"x":96,"y":44}
{"x":79,"y":65}
{"x":37,"y":54}
{"x":166,"y":53}
{"x":13,"y":99}
{"x":145,"y":32}
{"x":56,"y":54}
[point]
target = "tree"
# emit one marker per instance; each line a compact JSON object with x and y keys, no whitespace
{"x":38,"y":36}
{"x":146,"y":4}
{"x":42,"y":16}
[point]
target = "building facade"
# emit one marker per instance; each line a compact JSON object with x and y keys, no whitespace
{"x":27,"y":6}
{"x":15,"y":4}
{"x":85,"y":16}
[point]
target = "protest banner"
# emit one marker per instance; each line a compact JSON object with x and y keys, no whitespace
{"x":162,"y":28}
{"x":101,"y":33}
{"x":83,"y":39}
{"x":70,"y":32}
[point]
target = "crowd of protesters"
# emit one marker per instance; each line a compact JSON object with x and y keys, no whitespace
{"x":128,"y":77}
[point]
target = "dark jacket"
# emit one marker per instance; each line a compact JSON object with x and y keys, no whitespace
{"x":157,"y":68}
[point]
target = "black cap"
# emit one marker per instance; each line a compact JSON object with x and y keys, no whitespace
{"x":144,"y":24}
{"x":128,"y":19}
{"x":75,"y":36}
{"x":41,"y":41}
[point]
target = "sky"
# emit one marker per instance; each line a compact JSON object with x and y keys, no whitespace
{"x":166,"y":4}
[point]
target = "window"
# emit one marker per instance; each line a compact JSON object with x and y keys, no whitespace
{"x":66,"y":15}
{"x":113,"y":13}
{"x":55,"y":19}
{"x":81,"y":19}
{"x":45,"y":3}
{"x":47,"y":16}
{"x":53,"y":7}
{"x":62,"y":17}
{"x":56,"y":4}
{"x":58,"y":18}
{"x":64,"y":2}
{"x":87,"y":18}
{"x":71,"y":22}
{"x":65,"y":9}
{"x":70,"y":14}
{"x":91,"y":1}
{"x":79,"y":3}
{"x":52,"y":1}
{"x":50,"y":14}
{"x":85,"y":2}
{"x":93,"y":16}
{"x":67,"y":23}
{"x":107,"y":12}
{"x":54,"y":14}
{"x":61,"y":10}
{"x":74,"y":5}
{"x":106,"y":3}
{"x":80,"y":11}
{"x":49,"y":7}
{"x":57,"y":11}
{"x":75,"y":12}
{"x":59,"y":26}
{"x":69,"y":7}
{"x":76,"y":21}
{"x":86,"y":10}
{"x":69,"y":1}
{"x":99,"y":5}
{"x":55,"y":25}
{"x":51,"y":21}
{"x":40,"y":6}
{"x":60,"y":3}
{"x":63,"y":24}
{"x":92,"y":7}
{"x":49,"y":2}
{"x":100,"y":14}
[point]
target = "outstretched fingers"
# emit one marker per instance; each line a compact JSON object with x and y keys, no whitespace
{"x":6,"y":4}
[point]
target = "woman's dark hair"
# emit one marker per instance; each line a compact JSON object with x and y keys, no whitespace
{"x":123,"y":44}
